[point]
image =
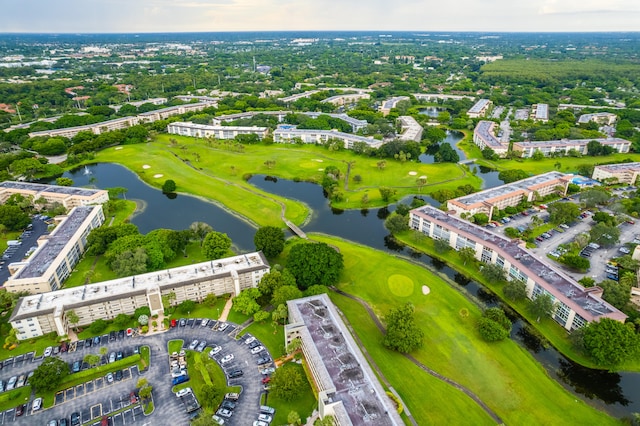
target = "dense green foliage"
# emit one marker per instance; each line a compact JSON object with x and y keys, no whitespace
{"x":270,"y":240}
{"x":313,"y":264}
{"x":403,"y":334}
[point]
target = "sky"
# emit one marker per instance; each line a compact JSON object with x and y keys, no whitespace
{"x":139,"y":16}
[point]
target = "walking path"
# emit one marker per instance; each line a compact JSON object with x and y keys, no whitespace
{"x":225,"y":311}
{"x":435,"y":374}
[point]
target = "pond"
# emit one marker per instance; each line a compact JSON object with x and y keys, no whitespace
{"x":617,"y":394}
{"x":431,"y":111}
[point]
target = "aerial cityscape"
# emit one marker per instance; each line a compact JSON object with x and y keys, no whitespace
{"x":319,"y":227}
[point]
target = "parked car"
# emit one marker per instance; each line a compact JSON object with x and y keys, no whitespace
{"x":222,"y":326}
{"x":48,"y":351}
{"x":265,"y":418}
{"x":112,"y":357}
{"x":223,"y":412}
{"x":263,"y":360}
{"x":229,"y":405}
{"x":113,"y":336}
{"x":204,"y":322}
{"x":64,"y":347}
{"x":249,"y":340}
{"x":193,"y":344}
{"x":76,"y":366}
{"x":119,"y":375}
{"x":119,"y":355}
{"x":63,"y":422}
{"x":182,"y":322}
{"x":260,"y":423}
{"x":96,"y":340}
{"x":37,"y":404}
{"x":234,"y":374}
{"x":120,"y":334}
{"x":257,"y":350}
{"x":180,"y":379}
{"x":254,"y":344}
{"x":227,"y":358}
{"x":215,"y":350}
{"x":217,"y":419}
{"x":232,"y":396}
{"x":268,"y":370}
{"x":11,"y":384}
{"x":173,"y":323}
{"x":110,"y":377}
{"x":183,"y":392}
{"x":53,"y":422}
{"x":265,"y":409}
{"x":20,"y":410}
{"x":201,"y":346}
{"x":75,"y":419}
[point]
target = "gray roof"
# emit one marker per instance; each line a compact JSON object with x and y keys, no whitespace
{"x":484,"y":129}
{"x":478,"y":106}
{"x":53,"y":189}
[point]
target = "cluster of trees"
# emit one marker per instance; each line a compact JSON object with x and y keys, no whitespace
{"x":494,"y":325}
{"x":403,"y":334}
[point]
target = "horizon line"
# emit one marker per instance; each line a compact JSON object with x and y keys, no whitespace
{"x":325,"y":31}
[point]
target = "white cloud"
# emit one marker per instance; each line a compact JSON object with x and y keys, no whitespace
{"x":588,"y":6}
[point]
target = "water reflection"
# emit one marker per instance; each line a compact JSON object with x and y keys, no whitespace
{"x":594,"y":384}
{"x":461,"y":279}
{"x":392,"y":244}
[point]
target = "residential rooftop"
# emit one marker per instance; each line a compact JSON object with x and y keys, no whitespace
{"x":542,"y":112}
{"x":620,"y":167}
{"x":499,"y":191}
{"x":557,"y":280}
{"x":479,"y":106}
{"x":52,"y":189}
{"x":484,"y":129}
{"x":570,"y":142}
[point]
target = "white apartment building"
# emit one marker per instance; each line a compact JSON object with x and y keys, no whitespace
{"x":68,"y":196}
{"x":291,"y":134}
{"x":602,"y":118}
{"x":624,"y":173}
{"x":479,"y":109}
{"x":57,"y":254}
{"x":527,"y":149}
{"x":575,"y":305}
{"x":346,"y":386}
{"x":540,"y":112}
{"x":411,"y":130}
{"x":218,"y":132}
{"x":40,"y":314}
{"x":484,"y":137}
{"x":389,"y":104}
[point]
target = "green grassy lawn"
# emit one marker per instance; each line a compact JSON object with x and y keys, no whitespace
{"x":304,"y":404}
{"x":272,"y":339}
{"x":202,"y":311}
{"x":145,"y":356}
{"x":504,"y":375}
{"x":174,"y":346}
{"x":37,"y":344}
{"x":221,"y":167}
{"x":202,"y":371}
{"x":13,"y":398}
{"x":550,"y":329}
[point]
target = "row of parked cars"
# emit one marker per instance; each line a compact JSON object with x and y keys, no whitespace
{"x":15,"y":382}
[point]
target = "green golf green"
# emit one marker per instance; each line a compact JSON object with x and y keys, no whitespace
{"x":400,"y":285}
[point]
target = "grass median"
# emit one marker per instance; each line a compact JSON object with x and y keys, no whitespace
{"x":504,"y":375}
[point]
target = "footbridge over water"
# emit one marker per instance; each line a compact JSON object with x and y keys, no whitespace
{"x":299,"y":232}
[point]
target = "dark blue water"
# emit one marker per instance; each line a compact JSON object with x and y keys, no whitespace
{"x":617,"y":394}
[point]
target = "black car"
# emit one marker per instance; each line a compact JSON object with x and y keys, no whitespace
{"x":235,"y":373}
{"x":88,"y":342}
{"x":96,"y":340}
{"x":63,"y":422}
{"x":20,"y":410}
{"x":254,"y":344}
{"x":75,"y":419}
{"x":120,"y":334}
{"x":228,"y":405}
{"x":263,"y":360}
{"x":119,"y":375}
{"x":119,"y":356}
{"x":112,"y":336}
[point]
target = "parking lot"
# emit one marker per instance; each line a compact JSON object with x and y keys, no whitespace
{"x":96,"y":398}
{"x":16,"y":253}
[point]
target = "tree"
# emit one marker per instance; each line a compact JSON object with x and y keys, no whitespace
{"x":494,"y":325}
{"x":246,"y":303}
{"x":64,"y":181}
{"x":13,"y":218}
{"x":261,"y":316}
{"x":515,"y":290}
{"x":293,"y":418}
{"x":285,"y":293}
{"x":493,"y":273}
{"x":169,"y":298}
{"x":286,"y":382}
{"x":210,"y":300}
{"x":216,"y":245}
{"x":446,"y":154}
{"x":122,"y":320}
{"x":73,"y":319}
{"x":563,"y":213}
{"x":280,"y":314}
{"x":200,"y":230}
{"x":593,"y":197}
{"x":130,"y":262}
{"x":186,"y":307}
{"x":91,"y":359}
{"x":396,"y":223}
{"x":274,"y":279}
{"x":441,"y":246}
{"x":169,"y":186}
{"x":403,"y":334}
{"x":616,"y":293}
{"x":386,"y":193}
{"x":512,"y":175}
{"x":576,"y":262}
{"x":145,"y":392}
{"x":315,"y":263}
{"x":269,"y":239}
{"x":98,"y":326}
{"x":209,"y":395}
{"x":467,"y":254}
{"x":49,"y":374}
{"x":610,"y":342}
{"x":542,"y":306}
{"x":604,"y":235}
{"x":480,"y":219}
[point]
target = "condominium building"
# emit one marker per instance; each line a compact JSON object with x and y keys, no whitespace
{"x":564,"y":146}
{"x":540,"y":112}
{"x":289,"y":133}
{"x":164,"y":113}
{"x":411,"y":130}
{"x":218,"y":132}
{"x":354,"y":122}
{"x":480,"y":108}
{"x":37,"y":315}
{"x":346,"y":386}
{"x":574,"y":305}
{"x":67,"y":196}
{"x":484,"y":136}
{"x":205,"y":99}
{"x":389,"y":104}
{"x":352,"y":98}
{"x":511,"y":194}
{"x":57,"y":254}
{"x":623,"y":173}
{"x":602,"y":118}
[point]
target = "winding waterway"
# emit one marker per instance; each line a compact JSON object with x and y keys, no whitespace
{"x":616,"y":393}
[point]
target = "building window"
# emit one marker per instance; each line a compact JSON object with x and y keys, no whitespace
{"x":562,"y":313}
{"x":578,"y":322}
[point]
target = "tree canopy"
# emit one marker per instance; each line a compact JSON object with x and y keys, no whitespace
{"x":403,"y":334}
{"x":49,"y":374}
{"x":563,"y":212}
{"x":610,"y":342}
{"x":216,"y":245}
{"x":286,"y":382}
{"x":269,"y":239}
{"x":315,"y":263}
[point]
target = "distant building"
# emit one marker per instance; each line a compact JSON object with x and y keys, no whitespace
{"x":389,"y":104}
{"x":290,"y":133}
{"x":354,"y":122}
{"x":602,"y":118}
{"x":624,"y":173}
{"x":479,"y":109}
{"x":574,"y":305}
{"x":510,"y":194}
{"x":67,"y":196}
{"x":527,"y":149}
{"x":484,"y":137}
{"x":340,"y":100}
{"x":37,"y":315}
{"x":346,"y":386}
{"x":439,"y":96}
{"x":57,"y":253}
{"x":411,"y":130}
{"x":205,"y":99}
{"x":540,"y":112}
{"x":218,"y":132}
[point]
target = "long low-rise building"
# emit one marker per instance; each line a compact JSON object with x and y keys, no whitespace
{"x":391,"y":103}
{"x":511,"y":194}
{"x":439,"y":96}
{"x":354,"y":122}
{"x":564,"y":146}
{"x":480,"y":108}
{"x":289,"y":133}
{"x":67,"y":196}
{"x":218,"y":132}
{"x":622,"y":173}
{"x":411,"y":130}
{"x":603,"y":118}
{"x":574,"y":305}
{"x":350,"y":98}
{"x":540,"y":112}
{"x":484,"y":137}
{"x":40,"y":314}
{"x":347,"y":388}
{"x":57,"y":254}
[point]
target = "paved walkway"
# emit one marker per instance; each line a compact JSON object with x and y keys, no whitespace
{"x":225,"y":311}
{"x":423,"y":367}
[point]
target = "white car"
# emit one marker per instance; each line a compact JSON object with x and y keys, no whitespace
{"x":183,"y":392}
{"x":250,"y":340}
{"x":267,"y":371}
{"x":204,"y":322}
{"x":259,"y":423}
{"x":193,"y":344}
{"x":214,"y":351}
{"x":257,"y":350}
{"x":48,"y":351}
{"x":265,"y":418}
{"x":223,"y":326}
{"x":227,"y":358}
{"x":224,"y":412}
{"x":217,"y":419}
{"x":37,"y":404}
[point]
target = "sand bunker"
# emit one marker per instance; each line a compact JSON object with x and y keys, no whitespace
{"x":318,"y":160}
{"x":118,"y":148}
{"x":159,"y":175}
{"x":146,"y":166}
{"x":413,"y":173}
{"x":423,"y":177}
{"x":320,"y":170}
{"x":425,"y":290}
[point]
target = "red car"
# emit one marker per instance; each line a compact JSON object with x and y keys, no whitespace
{"x":173,"y":323}
{"x":19,"y":410}
{"x":266,"y":380}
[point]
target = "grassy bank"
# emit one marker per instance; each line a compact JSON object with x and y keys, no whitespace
{"x":502,"y":374}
